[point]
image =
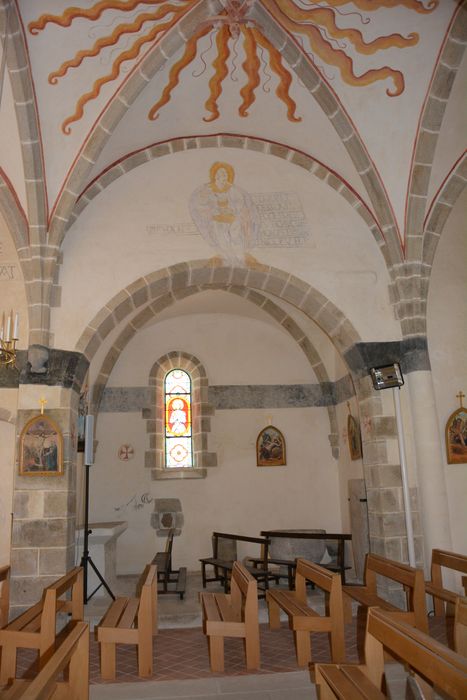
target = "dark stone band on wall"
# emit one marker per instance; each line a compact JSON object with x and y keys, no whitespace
{"x":68,"y":369}
{"x":411,"y":353}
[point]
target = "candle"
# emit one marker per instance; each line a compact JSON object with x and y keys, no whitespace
{"x":15,"y":327}
{"x":1,"y":327}
{"x":8,"y":327}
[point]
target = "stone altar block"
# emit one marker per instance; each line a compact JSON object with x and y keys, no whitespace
{"x":103,"y":552}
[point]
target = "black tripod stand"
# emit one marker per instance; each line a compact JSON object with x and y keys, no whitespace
{"x":86,"y":558}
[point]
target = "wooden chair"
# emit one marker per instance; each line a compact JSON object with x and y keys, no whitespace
{"x":36,"y":627}
{"x":130,"y":621}
{"x":4,"y":594}
{"x":166,"y":575}
{"x":444,"y":600}
{"x":233,"y":614}
{"x":302,"y":618}
{"x":430,"y":660}
{"x":367,"y":595}
{"x":71,"y":656}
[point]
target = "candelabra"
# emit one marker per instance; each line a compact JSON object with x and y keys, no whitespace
{"x":8,"y":339}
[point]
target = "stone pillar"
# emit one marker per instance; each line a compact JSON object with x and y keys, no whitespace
{"x":44,"y":507}
{"x":430,"y":463}
{"x":382,"y":472}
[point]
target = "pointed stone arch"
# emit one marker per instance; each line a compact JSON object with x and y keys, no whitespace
{"x":172,"y":41}
{"x":430,"y":125}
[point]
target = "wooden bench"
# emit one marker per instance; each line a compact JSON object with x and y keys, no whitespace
{"x":460,"y":626}
{"x":302,"y":618}
{"x":130,"y":621}
{"x":223,"y":567}
{"x":71,"y":656}
{"x":4,"y":594}
{"x":36,"y":627}
{"x":337,"y":563}
{"x":367,"y":595}
{"x":430,"y":660}
{"x":165,"y":574}
{"x":442,"y":596}
{"x":233,"y":614}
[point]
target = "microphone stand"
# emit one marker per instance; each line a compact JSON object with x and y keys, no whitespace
{"x":86,"y":558}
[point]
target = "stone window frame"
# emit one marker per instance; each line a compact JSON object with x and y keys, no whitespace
{"x":202,"y":411}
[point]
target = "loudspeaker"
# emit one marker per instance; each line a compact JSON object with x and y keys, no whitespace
{"x":89,"y":441}
{"x":387,"y":377}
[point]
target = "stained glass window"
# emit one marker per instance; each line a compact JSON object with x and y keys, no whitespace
{"x":178,"y":434}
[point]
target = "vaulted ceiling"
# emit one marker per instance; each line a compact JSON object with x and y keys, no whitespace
{"x":355,"y":85}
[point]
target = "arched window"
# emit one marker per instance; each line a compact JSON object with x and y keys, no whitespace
{"x":178,"y":420}
{"x":179,"y":375}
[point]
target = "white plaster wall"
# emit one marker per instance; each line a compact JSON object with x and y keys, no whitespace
{"x":236,"y":495}
{"x":112,"y":243}
{"x":447,"y":333}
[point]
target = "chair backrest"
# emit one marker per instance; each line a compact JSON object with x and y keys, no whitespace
{"x":290,"y":547}
{"x":443,"y":667}
{"x":326,"y":580}
{"x":226,"y":548}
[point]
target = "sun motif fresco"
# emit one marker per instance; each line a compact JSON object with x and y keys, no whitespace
{"x":313,"y":24}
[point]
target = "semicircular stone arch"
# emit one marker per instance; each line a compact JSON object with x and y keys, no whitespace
{"x":268,"y":306}
{"x":155,"y":288}
{"x":298,"y":61}
{"x":239,"y":141}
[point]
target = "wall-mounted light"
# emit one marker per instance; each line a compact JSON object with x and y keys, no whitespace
{"x":8,"y":339}
{"x":387,"y":376}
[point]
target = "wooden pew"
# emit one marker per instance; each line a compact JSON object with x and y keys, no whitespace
{"x":431,"y":661}
{"x":233,"y":614}
{"x":4,"y":594}
{"x":130,"y":621}
{"x":165,"y":574}
{"x":460,"y":626}
{"x":336,"y":563}
{"x":302,"y":618}
{"x":223,"y":567}
{"x":367,"y":595}
{"x":36,"y":627}
{"x":71,"y":656}
{"x":441,"y":596}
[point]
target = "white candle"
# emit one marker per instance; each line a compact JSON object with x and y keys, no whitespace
{"x":2,"y":326}
{"x":15,"y":327}
{"x":8,"y":327}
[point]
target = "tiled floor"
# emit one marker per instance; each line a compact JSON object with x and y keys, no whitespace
{"x":181,"y":662}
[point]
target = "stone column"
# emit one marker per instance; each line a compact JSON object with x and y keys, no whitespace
{"x":382,"y":472}
{"x":44,"y":507}
{"x":430,"y":463}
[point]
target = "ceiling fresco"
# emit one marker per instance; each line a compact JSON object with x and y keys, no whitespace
{"x":234,"y":32}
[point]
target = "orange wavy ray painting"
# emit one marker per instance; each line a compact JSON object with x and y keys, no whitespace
{"x":315,"y":26}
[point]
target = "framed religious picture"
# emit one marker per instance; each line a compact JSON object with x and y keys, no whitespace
{"x":41,"y":448}
{"x":270,"y":448}
{"x":456,"y":437}
{"x":354,"y":438}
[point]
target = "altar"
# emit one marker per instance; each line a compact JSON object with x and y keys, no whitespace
{"x":103,"y":552}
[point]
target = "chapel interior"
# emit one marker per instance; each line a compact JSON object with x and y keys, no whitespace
{"x":268,"y":198}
